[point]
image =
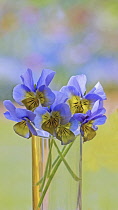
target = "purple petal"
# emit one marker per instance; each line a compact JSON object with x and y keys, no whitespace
{"x":98,"y":89}
{"x":64,"y":111}
{"x":79,"y":82}
{"x":95,"y":127}
{"x":27,"y":79}
{"x":73,"y":124}
{"x":24,"y":113}
{"x":9,"y":106}
{"x":19,"y":93}
{"x":45,"y":78}
{"x":79,"y":117}
{"x":31,"y":128}
{"x":100,"y":120}
{"x":49,"y":96}
{"x":59,"y":98}
{"x":39,"y":111}
{"x":10,"y":117}
{"x":93,"y":97}
{"x":95,"y":107}
{"x":69,"y":91}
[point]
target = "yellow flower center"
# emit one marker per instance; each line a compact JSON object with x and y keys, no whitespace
{"x":50,"y":123}
{"x":33,"y":100}
{"x":79,"y":105}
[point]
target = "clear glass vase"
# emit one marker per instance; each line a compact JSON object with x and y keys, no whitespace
{"x":63,"y":192}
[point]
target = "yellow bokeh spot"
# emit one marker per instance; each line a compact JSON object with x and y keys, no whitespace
{"x":102,"y":151}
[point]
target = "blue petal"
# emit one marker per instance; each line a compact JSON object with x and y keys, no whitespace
{"x":30,"y":115}
{"x":93,"y":97}
{"x":27,"y":79}
{"x":79,"y":82}
{"x":9,"y":106}
{"x":19,"y":93}
{"x":94,"y":127}
{"x":95,"y":116}
{"x":100,"y":112}
{"x":45,"y":78}
{"x":98,"y":89}
{"x":59,"y":98}
{"x":69,"y":91}
{"x":101,"y":105}
{"x":100,"y":120}
{"x":97,"y":109}
{"x":24,"y":113}
{"x":80,"y":117}
{"x":64,"y":111}
{"x":10,"y":117}
{"x":49,"y":96}
{"x":31,"y":128}
{"x":39,"y":111}
{"x":73,"y":124}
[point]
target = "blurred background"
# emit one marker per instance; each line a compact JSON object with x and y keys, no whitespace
{"x":69,"y":37}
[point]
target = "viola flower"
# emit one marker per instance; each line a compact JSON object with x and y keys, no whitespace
{"x":57,"y":120}
{"x":90,"y":120}
{"x":32,"y":95}
{"x":78,"y":100}
{"x":23,"y":117}
{"x":66,"y":133}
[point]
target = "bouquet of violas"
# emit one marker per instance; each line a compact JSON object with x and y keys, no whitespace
{"x":56,"y":115}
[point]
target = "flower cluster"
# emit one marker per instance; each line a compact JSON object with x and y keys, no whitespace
{"x":63,"y":114}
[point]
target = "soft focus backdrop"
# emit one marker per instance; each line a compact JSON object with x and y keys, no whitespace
{"x":69,"y":37}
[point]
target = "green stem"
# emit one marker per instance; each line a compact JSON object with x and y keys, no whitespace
{"x":52,"y":175}
{"x":76,"y":178}
{"x":64,"y":147}
{"x":79,"y":203}
{"x":46,"y":168}
{"x":50,"y":158}
{"x":40,"y":181}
